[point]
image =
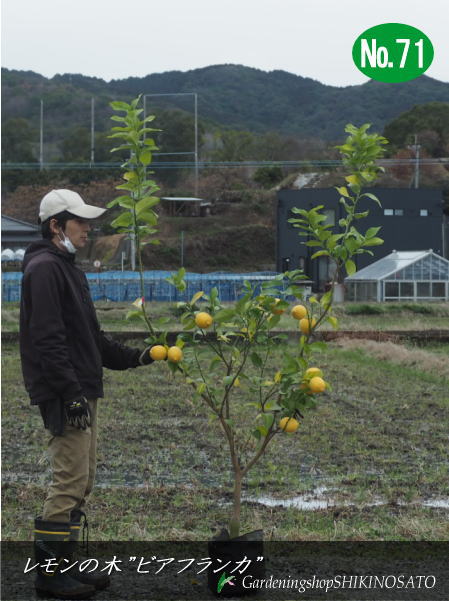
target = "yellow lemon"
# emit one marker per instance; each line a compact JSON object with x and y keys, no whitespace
{"x":237,"y":382}
{"x":305,"y":325}
{"x":299,"y":311}
{"x":317,"y":384}
{"x":174,"y":354}
{"x":312,"y":372}
{"x":289,"y":424}
{"x":158,"y":352}
{"x":203,"y":320}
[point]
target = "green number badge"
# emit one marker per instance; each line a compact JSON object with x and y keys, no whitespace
{"x":392,"y":52}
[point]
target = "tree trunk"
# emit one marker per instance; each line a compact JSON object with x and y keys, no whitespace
{"x":234,"y":524}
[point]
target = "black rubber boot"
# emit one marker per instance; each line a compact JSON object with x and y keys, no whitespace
{"x":51,"y":540}
{"x":99,"y":580}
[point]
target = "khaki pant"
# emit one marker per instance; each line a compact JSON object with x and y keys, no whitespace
{"x":73,"y":463}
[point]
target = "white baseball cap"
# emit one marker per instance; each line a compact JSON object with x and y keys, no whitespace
{"x":57,"y":201}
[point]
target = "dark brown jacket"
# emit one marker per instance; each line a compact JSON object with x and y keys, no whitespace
{"x":62,"y":347}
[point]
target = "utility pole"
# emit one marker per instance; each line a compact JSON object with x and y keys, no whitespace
{"x":92,"y":132}
{"x":416,"y":148}
{"x":182,"y":249}
{"x":195,"y":152}
{"x":41,"y":138}
{"x":196,"y":144}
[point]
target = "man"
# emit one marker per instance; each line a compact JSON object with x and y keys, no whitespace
{"x":63,"y":351}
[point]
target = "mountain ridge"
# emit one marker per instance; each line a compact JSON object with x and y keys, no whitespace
{"x":233,"y":96}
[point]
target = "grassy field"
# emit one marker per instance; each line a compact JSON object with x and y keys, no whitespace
{"x":373,"y":455}
{"x":351,"y":316}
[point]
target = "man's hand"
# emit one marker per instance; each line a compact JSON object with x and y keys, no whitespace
{"x":145,"y":358}
{"x":77,"y":413}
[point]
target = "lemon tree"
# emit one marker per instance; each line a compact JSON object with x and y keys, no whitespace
{"x":246,"y":367}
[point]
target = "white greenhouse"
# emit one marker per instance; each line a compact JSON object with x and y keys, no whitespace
{"x":401,"y":276}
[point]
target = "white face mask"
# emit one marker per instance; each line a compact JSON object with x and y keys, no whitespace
{"x":67,"y":243}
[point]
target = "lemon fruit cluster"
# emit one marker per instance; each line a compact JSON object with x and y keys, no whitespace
{"x":313,"y":381}
{"x":174,"y":354}
{"x":158,"y":352}
{"x":289,"y":424}
{"x":203,"y":320}
{"x":299,"y":312}
{"x":307,"y":325}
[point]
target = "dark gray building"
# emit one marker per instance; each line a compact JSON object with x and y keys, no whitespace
{"x":410,"y":220}
{"x":18,"y":234}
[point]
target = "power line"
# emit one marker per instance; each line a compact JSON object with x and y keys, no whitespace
{"x":215,"y":164}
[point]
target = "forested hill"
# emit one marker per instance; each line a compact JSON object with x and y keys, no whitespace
{"x":233,"y":96}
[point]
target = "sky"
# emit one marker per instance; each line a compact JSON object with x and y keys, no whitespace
{"x":114,"y":39}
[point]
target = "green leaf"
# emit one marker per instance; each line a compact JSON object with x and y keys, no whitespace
{"x":326,"y":298}
{"x":333,"y":321}
{"x":268,"y":419}
{"x":312,"y":243}
{"x":116,"y":201}
{"x":127,"y":203}
{"x":146,"y":203}
{"x":189,"y":324}
{"x":214,"y":362}
{"x":272,"y":406}
{"x":350,"y":267}
{"x":224,"y":315}
{"x":149,"y":218}
{"x":343,"y":191}
{"x":196,"y":296}
{"x":257,"y":434}
{"x":318,"y":346}
{"x":372,"y":231}
{"x":123,"y":220}
{"x":117,"y":105}
{"x":146,"y":157}
{"x":134,"y":315}
{"x":373,"y":242}
{"x":372,"y":197}
{"x":256,"y":360}
{"x":320,"y":253}
{"x":119,"y":118}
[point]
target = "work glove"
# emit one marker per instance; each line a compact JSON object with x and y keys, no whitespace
{"x":145,"y":358}
{"x":77,"y":413}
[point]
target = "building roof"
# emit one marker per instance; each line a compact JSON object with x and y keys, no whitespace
{"x":392,"y":263}
{"x":182,"y":199}
{"x":11,"y":225}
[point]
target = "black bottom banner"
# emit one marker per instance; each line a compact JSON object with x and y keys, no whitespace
{"x":160,"y":571}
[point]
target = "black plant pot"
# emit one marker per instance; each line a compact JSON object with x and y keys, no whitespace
{"x":223,"y":549}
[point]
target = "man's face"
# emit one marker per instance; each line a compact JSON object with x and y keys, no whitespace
{"x":77,"y":230}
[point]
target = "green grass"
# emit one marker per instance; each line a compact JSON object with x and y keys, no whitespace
{"x":351,"y":316}
{"x":163,"y":467}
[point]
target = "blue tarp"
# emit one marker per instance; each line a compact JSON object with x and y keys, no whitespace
{"x":125,"y":285}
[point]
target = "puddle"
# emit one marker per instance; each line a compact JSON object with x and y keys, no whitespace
{"x":318,"y":499}
{"x":439,"y":503}
{"x":307,"y":501}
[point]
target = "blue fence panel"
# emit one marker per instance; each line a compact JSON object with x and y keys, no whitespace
{"x":125,"y":285}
